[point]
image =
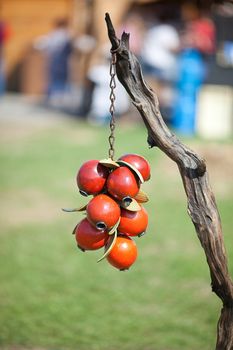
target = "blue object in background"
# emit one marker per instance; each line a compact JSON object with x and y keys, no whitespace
{"x":2,"y":78}
{"x":59,"y":69}
{"x":228,"y":53}
{"x":190,"y":78}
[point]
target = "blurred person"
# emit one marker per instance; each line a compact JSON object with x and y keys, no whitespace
{"x":159,"y":60}
{"x":199,"y":31}
{"x":223,"y":18}
{"x":99,"y":75}
{"x":197,"y":45}
{"x":84,"y":46}
{"x":159,"y":50}
{"x":57,"y":46}
{"x":4,"y":35}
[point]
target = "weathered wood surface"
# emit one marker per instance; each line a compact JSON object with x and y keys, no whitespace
{"x":202,"y":207}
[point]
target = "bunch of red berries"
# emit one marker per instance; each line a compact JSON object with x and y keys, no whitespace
{"x":115,"y":213}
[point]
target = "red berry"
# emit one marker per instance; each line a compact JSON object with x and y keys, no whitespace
{"x":123,"y":253}
{"x":88,"y":237}
{"x":139,"y":162}
{"x":91,"y":177}
{"x":103,"y":212}
{"x":133,"y":223}
{"x":122,"y":183}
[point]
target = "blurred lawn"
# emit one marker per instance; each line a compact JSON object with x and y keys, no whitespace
{"x":52,"y":296}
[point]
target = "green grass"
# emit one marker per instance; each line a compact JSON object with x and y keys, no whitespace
{"x":52,"y":296}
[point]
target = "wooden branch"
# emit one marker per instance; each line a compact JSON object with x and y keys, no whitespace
{"x":201,"y":202}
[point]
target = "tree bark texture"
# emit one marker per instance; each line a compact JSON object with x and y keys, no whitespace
{"x":202,"y":207}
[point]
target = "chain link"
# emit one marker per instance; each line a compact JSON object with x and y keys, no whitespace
{"x":112,"y":98}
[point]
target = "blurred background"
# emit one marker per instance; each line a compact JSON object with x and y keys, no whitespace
{"x":58,"y":55}
{"x":54,"y":115}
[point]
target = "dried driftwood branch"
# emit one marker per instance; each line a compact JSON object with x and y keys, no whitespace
{"x":201,"y":202}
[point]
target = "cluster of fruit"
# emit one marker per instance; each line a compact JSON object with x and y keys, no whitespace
{"x":115,"y":213}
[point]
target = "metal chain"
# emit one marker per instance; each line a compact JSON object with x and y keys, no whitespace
{"x":112,"y":98}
